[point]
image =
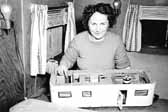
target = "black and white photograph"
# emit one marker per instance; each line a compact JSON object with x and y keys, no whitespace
{"x":83,"y":55}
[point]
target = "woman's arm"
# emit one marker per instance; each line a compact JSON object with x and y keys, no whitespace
{"x":71,"y":54}
{"x":121,"y":58}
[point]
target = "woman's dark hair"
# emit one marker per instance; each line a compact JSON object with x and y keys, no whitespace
{"x":103,"y":8}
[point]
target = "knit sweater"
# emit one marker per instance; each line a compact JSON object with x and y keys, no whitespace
{"x":96,"y":55}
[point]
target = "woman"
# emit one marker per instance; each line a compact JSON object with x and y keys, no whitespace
{"x":96,"y":48}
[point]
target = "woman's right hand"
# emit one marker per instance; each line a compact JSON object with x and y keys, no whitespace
{"x":62,"y":70}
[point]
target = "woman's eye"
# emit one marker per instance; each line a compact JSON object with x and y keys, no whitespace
{"x":93,"y":23}
{"x":103,"y":23}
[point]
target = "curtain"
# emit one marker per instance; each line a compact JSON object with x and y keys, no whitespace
{"x":71,"y":26}
{"x":38,"y":50}
{"x":130,"y":29}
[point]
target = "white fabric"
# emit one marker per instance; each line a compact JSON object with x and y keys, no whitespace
{"x":71,"y":26}
{"x":38,"y":51}
{"x":34,"y":105}
{"x":130,"y":29}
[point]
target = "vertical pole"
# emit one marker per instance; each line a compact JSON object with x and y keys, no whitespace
{"x":23,"y":47}
{"x":166,"y":39}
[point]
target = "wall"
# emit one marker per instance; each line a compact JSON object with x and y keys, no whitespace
{"x":150,"y":2}
{"x":79,"y":5}
{"x":11,"y":77}
{"x":23,"y":36}
{"x":15,"y":16}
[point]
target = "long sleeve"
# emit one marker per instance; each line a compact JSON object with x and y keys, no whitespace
{"x":121,"y":57}
{"x":70,"y":55}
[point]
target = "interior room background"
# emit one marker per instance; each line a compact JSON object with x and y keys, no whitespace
{"x":21,"y":18}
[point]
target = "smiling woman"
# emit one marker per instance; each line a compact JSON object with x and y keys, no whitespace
{"x":97,"y":47}
{"x":98,"y":25}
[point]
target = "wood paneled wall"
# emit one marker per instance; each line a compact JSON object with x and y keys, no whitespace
{"x":11,"y":75}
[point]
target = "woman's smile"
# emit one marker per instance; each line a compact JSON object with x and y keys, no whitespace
{"x":98,"y":25}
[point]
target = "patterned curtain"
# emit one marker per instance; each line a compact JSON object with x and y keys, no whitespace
{"x":130,"y":29}
{"x":38,"y":51}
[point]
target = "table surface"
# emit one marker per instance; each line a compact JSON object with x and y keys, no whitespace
{"x":160,"y":105}
{"x":33,"y":105}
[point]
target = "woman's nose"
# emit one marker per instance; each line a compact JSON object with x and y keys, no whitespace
{"x":98,"y":28}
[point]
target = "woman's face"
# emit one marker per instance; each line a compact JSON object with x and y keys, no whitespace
{"x":98,"y":25}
